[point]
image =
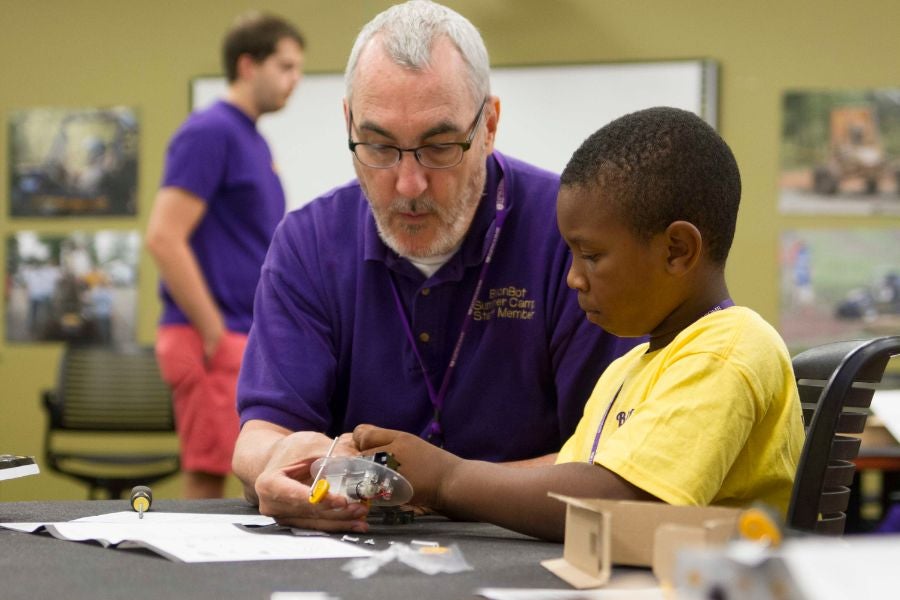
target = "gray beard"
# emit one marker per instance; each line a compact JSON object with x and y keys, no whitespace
{"x":454,"y":221}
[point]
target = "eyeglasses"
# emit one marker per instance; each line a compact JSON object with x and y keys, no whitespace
{"x":432,"y":156}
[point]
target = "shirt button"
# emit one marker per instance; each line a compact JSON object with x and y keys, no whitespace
{"x":426,"y":291}
{"x":424,"y":337}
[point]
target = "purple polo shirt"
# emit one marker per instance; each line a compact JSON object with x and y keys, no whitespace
{"x":328,"y":350}
{"x":220,"y":157}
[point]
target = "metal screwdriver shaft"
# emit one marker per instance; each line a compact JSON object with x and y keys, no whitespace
{"x":320,"y":486}
{"x":141,"y":499}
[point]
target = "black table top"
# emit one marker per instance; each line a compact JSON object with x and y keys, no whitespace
{"x":36,"y":566}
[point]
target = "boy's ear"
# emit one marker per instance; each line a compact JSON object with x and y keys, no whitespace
{"x":685,"y":245}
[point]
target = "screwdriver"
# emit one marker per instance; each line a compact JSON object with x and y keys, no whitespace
{"x":320,"y":485}
{"x":141,"y":499}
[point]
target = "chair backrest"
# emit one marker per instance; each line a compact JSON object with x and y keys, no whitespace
{"x":110,"y":389}
{"x":836,"y":383}
{"x":105,"y":400}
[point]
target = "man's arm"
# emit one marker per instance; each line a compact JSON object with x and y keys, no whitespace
{"x":481,"y":491}
{"x":262,"y":445}
{"x":176,"y":213}
{"x":252,"y":452}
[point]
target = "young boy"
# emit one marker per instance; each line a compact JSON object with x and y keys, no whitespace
{"x":707,"y":411}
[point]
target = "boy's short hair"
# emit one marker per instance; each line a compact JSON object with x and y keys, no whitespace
{"x":256,"y":34}
{"x":662,"y":165}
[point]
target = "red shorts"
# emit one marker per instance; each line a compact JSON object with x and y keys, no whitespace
{"x":204,"y":394}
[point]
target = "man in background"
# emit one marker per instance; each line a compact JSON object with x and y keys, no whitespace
{"x":210,"y":227}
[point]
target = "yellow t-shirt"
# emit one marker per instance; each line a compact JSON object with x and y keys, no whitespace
{"x":712,"y":418}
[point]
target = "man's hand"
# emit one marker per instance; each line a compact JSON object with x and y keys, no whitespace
{"x":213,"y":340}
{"x":426,"y":466}
{"x":283,"y":486}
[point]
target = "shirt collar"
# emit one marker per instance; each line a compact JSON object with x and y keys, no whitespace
{"x":244,"y":117}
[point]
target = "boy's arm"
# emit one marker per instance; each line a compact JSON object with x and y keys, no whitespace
{"x":481,"y":491}
{"x":517,"y":498}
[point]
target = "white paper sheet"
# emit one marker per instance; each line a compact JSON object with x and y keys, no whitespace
{"x":192,"y":538}
{"x":23,"y":527}
{"x":129,"y":516}
{"x":10,"y":472}
{"x":852,"y":567}
{"x":553,"y":594}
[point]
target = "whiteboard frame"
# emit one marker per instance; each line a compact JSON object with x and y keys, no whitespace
{"x":546,"y":112}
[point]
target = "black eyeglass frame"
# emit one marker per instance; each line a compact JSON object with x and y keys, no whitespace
{"x":415,"y":151}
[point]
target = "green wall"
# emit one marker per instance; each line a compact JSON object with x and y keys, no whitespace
{"x":82,"y":53}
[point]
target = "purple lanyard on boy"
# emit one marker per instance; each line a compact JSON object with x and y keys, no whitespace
{"x":720,"y":306}
{"x":433,"y":433}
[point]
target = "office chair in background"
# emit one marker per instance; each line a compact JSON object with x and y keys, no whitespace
{"x":110,"y":420}
{"x":836,"y":383}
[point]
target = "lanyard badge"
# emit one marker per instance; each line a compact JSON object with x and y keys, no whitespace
{"x":434,"y":433}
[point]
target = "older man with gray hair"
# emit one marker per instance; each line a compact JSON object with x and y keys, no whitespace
{"x":428,"y":295}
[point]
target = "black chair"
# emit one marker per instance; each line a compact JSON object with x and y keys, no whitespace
{"x":108,"y":405}
{"x":836,"y":383}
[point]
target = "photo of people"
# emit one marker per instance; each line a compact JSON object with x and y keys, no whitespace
{"x":73,"y":162}
{"x":839,"y":284}
{"x":78,"y":287}
{"x":840,"y":152}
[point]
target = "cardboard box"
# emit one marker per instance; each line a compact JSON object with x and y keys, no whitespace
{"x":600,"y":533}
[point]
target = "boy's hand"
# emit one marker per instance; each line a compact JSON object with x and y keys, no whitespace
{"x":426,"y":466}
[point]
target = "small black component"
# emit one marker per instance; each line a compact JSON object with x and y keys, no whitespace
{"x":9,"y":461}
{"x":397,"y":516}
{"x":386,"y":459}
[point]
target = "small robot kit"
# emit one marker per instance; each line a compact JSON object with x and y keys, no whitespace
{"x":371,"y":479}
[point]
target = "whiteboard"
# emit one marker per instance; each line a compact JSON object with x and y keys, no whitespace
{"x":546,"y":112}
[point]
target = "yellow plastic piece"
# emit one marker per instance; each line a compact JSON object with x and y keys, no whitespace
{"x":140,"y":504}
{"x":757,"y":525}
{"x":319,"y":491}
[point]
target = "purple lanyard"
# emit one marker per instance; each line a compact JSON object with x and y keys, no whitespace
{"x":434,"y":432}
{"x":720,"y":306}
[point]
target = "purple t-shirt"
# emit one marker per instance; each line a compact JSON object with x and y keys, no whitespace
{"x":220,"y":157}
{"x":328,"y":349}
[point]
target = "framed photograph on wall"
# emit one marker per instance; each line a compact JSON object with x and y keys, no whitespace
{"x":839,"y":284}
{"x":77,"y":287}
{"x":840,"y":152}
{"x":73,"y":162}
